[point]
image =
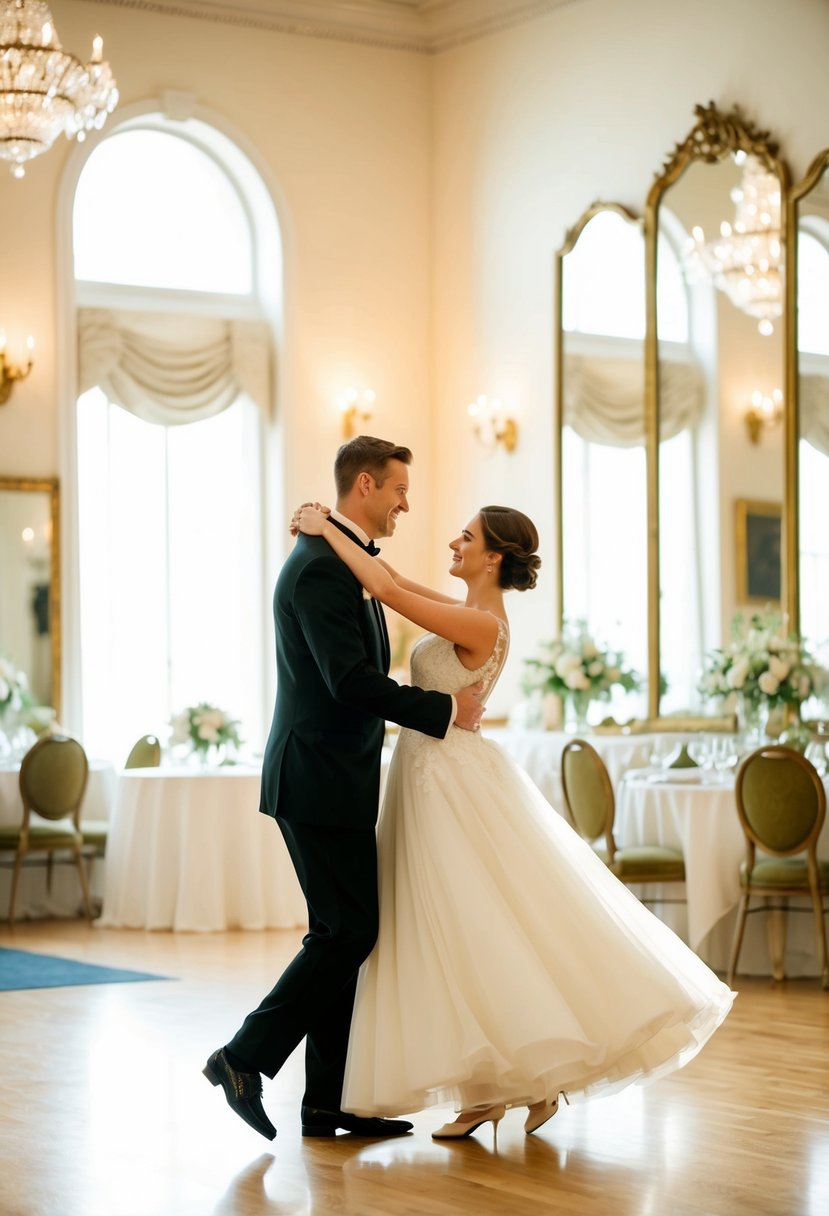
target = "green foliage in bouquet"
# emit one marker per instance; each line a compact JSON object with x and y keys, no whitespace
{"x":576,"y":663}
{"x":762,"y":662}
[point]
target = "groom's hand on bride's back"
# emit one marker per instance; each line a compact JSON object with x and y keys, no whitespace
{"x":470,"y":706}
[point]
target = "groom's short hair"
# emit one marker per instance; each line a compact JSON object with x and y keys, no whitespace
{"x":365,"y":454}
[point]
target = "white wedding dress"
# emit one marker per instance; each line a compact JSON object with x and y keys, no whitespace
{"x":510,"y":965}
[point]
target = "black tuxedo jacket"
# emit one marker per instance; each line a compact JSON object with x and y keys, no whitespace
{"x":322,"y":759}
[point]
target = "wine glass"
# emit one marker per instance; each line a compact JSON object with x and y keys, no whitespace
{"x":661,"y":748}
{"x":724,"y":754}
{"x":816,"y":752}
{"x":700,"y":750}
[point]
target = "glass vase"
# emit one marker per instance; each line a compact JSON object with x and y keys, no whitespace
{"x":753,"y":720}
{"x":576,"y":707}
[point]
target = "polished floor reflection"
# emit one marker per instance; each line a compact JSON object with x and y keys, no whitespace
{"x":104,"y":1111}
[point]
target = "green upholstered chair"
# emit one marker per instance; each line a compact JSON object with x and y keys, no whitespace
{"x":591,"y":808}
{"x":53,"y":777}
{"x":781,"y":803}
{"x":146,"y":753}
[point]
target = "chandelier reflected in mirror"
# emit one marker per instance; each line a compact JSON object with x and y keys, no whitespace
{"x":43,"y":89}
{"x":745,"y":260}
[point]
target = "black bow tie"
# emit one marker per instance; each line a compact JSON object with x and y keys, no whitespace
{"x":371,"y":549}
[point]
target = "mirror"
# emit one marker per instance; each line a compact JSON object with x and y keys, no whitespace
{"x":810,"y":392}
{"x":30,"y":583}
{"x":715,"y":356}
{"x":600,"y":438}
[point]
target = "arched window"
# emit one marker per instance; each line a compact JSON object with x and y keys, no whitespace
{"x":174,"y":377}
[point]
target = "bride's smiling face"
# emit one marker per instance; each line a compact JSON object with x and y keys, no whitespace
{"x":468,"y":552}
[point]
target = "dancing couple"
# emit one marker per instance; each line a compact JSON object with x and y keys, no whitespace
{"x":498,"y":963}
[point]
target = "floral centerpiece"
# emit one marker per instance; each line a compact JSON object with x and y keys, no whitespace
{"x":204,"y":727}
{"x":578,"y":669}
{"x":763,"y":666}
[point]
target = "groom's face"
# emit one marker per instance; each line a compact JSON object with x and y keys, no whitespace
{"x":388,"y":498}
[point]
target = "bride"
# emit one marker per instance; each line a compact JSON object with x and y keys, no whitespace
{"x":511,"y":966}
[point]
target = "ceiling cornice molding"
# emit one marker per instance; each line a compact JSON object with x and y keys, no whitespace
{"x":422,"y":26}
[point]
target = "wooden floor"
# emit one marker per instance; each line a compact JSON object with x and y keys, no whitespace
{"x":104,"y":1111}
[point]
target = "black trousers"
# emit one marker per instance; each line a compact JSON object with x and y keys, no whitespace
{"x":314,"y":996}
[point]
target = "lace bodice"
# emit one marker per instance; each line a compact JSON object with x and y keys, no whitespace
{"x":435,"y":664}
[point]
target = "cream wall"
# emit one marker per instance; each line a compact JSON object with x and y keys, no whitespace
{"x":422,"y":200}
{"x":531,"y":127}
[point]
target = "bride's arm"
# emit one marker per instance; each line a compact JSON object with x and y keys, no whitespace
{"x":410,"y":585}
{"x":469,"y":628}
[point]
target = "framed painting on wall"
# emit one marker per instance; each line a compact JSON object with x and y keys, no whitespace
{"x":759,"y":538}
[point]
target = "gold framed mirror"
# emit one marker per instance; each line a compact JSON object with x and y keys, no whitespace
{"x":600,"y":439}
{"x":30,"y":582}
{"x":715,"y":350}
{"x":809,"y":405}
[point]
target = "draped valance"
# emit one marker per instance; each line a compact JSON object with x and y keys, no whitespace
{"x":604,"y":398}
{"x":172,"y":368}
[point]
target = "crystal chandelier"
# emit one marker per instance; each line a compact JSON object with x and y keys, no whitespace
{"x":744,"y":261}
{"x":43,"y":90}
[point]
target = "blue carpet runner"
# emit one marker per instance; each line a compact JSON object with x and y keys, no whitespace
{"x":24,"y":969}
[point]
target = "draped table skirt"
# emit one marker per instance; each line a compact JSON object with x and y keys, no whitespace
{"x":189,"y":850}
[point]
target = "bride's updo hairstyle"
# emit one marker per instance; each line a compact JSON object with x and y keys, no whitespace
{"x":513,"y":535}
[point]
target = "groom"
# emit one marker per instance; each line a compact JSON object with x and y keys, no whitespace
{"x":321,"y":782}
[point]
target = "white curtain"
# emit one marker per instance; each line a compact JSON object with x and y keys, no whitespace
{"x":604,"y":398}
{"x":814,"y":411}
{"x":170,"y":368}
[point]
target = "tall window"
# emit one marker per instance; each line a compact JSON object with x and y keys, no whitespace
{"x":604,"y":479}
{"x":170,"y":515}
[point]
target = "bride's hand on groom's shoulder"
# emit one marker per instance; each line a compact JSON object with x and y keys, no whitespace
{"x":309,"y":518}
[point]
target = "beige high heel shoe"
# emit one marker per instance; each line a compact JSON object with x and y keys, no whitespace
{"x":468,"y":1120}
{"x":541,"y":1112}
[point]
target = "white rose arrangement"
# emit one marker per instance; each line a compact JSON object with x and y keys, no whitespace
{"x":761,"y":663}
{"x":576,"y":663}
{"x":204,"y":726}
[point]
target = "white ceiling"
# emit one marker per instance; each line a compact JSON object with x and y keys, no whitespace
{"x":417,"y":25}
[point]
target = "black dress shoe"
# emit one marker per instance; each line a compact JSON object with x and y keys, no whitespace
{"x":243,"y":1091}
{"x":326,"y":1122}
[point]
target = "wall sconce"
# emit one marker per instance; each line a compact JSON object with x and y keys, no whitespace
{"x":763,"y":411}
{"x":492,"y":426}
{"x":354,"y":405}
{"x":9,"y":374}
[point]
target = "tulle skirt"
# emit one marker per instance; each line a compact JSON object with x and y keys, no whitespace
{"x":510,"y":965}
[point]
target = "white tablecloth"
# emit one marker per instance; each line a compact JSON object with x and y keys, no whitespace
{"x":700,"y":818}
{"x":189,"y":850}
{"x":538,"y":752}
{"x":33,"y":899}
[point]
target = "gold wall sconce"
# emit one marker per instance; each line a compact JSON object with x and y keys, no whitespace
{"x":354,"y":407}
{"x":492,"y":424}
{"x":764,"y":411}
{"x":11,"y":373}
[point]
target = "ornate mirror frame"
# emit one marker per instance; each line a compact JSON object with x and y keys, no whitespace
{"x":50,"y":486}
{"x":714,"y":136}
